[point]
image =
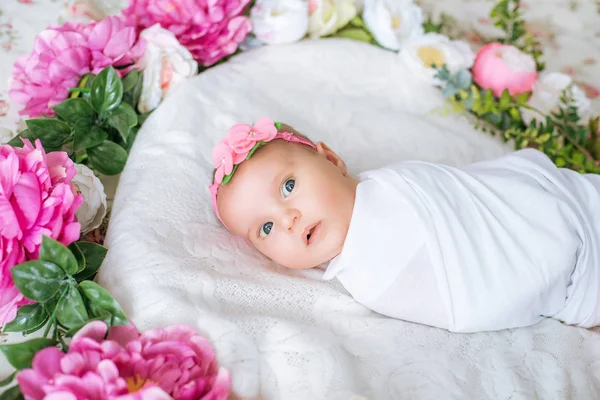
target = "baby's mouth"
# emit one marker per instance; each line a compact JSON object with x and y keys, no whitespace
{"x":310,"y":234}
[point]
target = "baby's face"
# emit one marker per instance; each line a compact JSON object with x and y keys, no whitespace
{"x":294,"y":204}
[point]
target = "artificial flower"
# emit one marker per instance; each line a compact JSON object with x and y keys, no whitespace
{"x":209,"y":29}
{"x":328,"y":16}
{"x":165,"y":64}
{"x":36,"y":199}
{"x":43,"y":78}
{"x":223,"y":160}
{"x":113,"y":42}
{"x":500,"y":66}
{"x":421,"y":54}
{"x":159,"y":364}
{"x":92,"y":211}
{"x":546,"y":94}
{"x":279,"y":21}
{"x":243,"y":137}
{"x":393,"y":21}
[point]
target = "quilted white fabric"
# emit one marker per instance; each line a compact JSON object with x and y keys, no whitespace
{"x":287,"y":334}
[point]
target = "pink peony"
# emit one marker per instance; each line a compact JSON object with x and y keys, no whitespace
{"x":210,"y":29}
{"x":154,"y":365}
{"x":498,"y":67}
{"x":114,"y":43}
{"x":36,"y":198}
{"x":42,"y":79}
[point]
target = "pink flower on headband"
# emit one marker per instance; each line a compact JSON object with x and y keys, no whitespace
{"x":243,"y":137}
{"x":223,"y":160}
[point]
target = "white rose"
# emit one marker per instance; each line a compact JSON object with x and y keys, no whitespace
{"x":279,"y":21}
{"x":393,"y":21}
{"x":165,"y":64}
{"x":93,"y":209}
{"x":546,"y":93}
{"x":328,"y":16}
{"x":420,"y":53}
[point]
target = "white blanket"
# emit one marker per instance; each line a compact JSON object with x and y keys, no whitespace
{"x":498,"y":244}
{"x":287,"y":334}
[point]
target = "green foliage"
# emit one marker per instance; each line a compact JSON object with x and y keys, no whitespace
{"x":507,"y":15}
{"x":563,"y":136}
{"x":65,"y":298}
{"x":97,"y":124}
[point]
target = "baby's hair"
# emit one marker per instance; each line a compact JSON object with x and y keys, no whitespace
{"x":282,"y":128}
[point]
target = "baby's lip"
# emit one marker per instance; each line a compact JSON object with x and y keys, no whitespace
{"x":313,"y":231}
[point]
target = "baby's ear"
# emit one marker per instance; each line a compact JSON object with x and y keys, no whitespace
{"x":332,"y":157}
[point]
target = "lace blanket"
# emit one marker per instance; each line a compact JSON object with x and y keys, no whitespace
{"x":288,"y":334}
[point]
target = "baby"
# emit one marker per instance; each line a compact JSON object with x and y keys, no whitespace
{"x":493,"y":245}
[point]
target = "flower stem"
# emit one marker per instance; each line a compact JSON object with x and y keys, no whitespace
{"x":52,"y":319}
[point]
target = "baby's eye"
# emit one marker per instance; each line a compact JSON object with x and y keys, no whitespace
{"x":265,"y":229}
{"x":287,"y":187}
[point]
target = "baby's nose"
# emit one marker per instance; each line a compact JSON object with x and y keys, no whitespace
{"x":289,"y":219}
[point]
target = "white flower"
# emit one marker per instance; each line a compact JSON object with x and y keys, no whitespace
{"x":165,"y":64}
{"x":6,"y":135}
{"x":279,"y":21}
{"x":393,"y":21}
{"x":420,"y":53}
{"x":546,"y":93}
{"x":93,"y":209}
{"x":328,"y":16}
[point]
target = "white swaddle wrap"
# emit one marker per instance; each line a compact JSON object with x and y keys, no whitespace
{"x":494,"y":245}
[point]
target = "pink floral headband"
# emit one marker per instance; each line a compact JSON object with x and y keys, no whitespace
{"x":239,"y":145}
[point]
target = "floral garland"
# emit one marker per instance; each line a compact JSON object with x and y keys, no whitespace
{"x":88,"y":87}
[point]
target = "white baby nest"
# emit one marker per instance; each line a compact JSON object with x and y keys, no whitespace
{"x":287,"y":334}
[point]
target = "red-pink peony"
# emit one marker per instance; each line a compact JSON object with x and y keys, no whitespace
{"x":498,"y":67}
{"x":157,"y":364}
{"x":209,"y":29}
{"x":36,"y":199}
{"x":42,"y":79}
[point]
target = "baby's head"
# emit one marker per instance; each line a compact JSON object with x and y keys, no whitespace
{"x":291,"y":198}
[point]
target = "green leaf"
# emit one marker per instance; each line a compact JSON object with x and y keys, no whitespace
{"x":78,"y":256}
{"x":29,"y":319}
{"x":100,"y":301}
{"x":14,"y":393}
{"x":130,"y":80}
{"x":108,"y":158}
{"x":58,"y":254}
{"x":123,"y":118}
{"x":463,"y":79}
{"x":72,"y":110}
{"x":358,"y":22}
{"x":51,"y":132}
{"x":71,"y":311}
{"x":88,"y":135}
{"x":355,"y":34}
{"x":20,"y":355}
{"x":38,"y":280}
{"x":107,"y":91}
{"x":8,"y":379}
{"x":94,"y":256}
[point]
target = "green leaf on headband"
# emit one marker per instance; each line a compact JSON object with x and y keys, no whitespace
{"x":256,"y":146}
{"x":93,"y":254}
{"x":108,"y":158}
{"x":227,"y":178}
{"x":38,"y":280}
{"x":123,"y":118}
{"x":20,"y":355}
{"x":29,"y":319}
{"x":100,"y":302}
{"x":278,"y":125}
{"x":58,"y":254}
{"x":107,"y":91}
{"x":71,"y":310}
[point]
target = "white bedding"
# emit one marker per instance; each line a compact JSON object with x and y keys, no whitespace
{"x":287,"y":334}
